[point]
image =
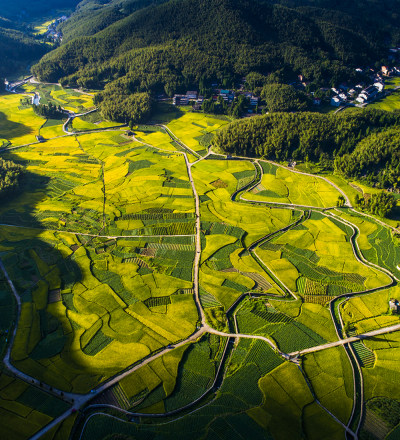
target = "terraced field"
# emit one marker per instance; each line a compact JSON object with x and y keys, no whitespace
{"x":281,"y":185}
{"x":134,"y":278}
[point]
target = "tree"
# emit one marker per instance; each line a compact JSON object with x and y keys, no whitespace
{"x":10,"y":174}
{"x":340,"y":201}
{"x":118,"y":107}
{"x":284,"y":98}
{"x":381,"y":204}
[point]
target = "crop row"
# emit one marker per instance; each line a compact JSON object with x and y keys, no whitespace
{"x":157,"y":301}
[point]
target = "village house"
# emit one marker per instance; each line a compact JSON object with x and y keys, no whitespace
{"x":180,"y":100}
{"x":370,"y":92}
{"x":191,"y":95}
{"x":394,"y":305}
{"x":336,"y":101}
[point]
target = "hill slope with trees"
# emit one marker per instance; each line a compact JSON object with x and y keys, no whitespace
{"x":180,"y":44}
{"x":364,"y":145}
{"x":18,"y":45}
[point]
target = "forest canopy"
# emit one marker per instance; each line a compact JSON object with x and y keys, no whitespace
{"x":10,"y":174}
{"x":364,"y":145}
{"x":179,"y":44}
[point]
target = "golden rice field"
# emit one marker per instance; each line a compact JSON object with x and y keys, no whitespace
{"x":100,"y":244}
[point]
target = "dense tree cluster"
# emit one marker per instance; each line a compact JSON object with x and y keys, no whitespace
{"x":376,"y":158}
{"x":19,"y":46}
{"x":364,"y":144}
{"x":182,"y":44}
{"x":17,"y":49}
{"x":117,"y":105}
{"x":50,"y":111}
{"x":9,"y":176}
{"x":381,"y":204}
{"x":284,"y":98}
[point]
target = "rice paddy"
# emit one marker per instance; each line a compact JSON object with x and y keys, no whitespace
{"x":100,"y":244}
{"x":280,"y":185}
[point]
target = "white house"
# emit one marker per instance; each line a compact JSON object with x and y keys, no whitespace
{"x":336,"y":101}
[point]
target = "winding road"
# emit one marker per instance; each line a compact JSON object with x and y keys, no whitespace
{"x":78,"y":401}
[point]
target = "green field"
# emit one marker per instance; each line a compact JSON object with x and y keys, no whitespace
{"x":18,"y":123}
{"x":316,"y":260}
{"x":100,"y":244}
{"x":280,"y":185}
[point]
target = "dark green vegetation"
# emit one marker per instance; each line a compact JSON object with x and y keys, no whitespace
{"x":18,"y":45}
{"x":381,"y":204}
{"x":376,"y":156}
{"x":9,"y":176}
{"x":284,"y":98}
{"x":50,"y":111}
{"x":364,"y":145}
{"x":115,"y":105}
{"x":192,"y":43}
{"x":17,"y":48}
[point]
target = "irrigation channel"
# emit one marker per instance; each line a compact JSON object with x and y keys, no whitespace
{"x":82,"y":401}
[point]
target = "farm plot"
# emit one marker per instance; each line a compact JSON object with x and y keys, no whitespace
{"x":281,"y":185}
{"x":145,"y":389}
{"x":377,"y":243}
{"x":155,"y":136}
{"x":61,"y":188}
{"x":52,"y":128}
{"x":24,"y":409}
{"x":92,"y":121}
{"x":382,"y":415}
{"x":312,"y":327}
{"x":389,"y":103}
{"x":72,"y":100}
{"x":215,"y":183}
{"x":107,"y":313}
{"x":19,"y":124}
{"x":382,"y":379}
{"x":227,"y":413}
{"x":227,"y":269}
{"x":316,"y":259}
{"x":331,"y":378}
{"x":285,"y":395}
{"x":195,"y":129}
{"x":370,"y":312}
{"x":68,"y":99}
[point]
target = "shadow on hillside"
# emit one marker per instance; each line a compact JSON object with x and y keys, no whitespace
{"x":12,"y":128}
{"x":32,"y":264}
{"x":165,"y":112}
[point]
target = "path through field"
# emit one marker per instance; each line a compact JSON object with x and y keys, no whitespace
{"x":79,"y":401}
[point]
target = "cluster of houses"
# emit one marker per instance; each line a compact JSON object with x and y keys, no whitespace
{"x":227,"y":95}
{"x":185,"y":99}
{"x":52,"y":32}
{"x":394,"y":305}
{"x":360,"y":94}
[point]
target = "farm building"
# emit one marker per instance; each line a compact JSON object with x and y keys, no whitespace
{"x":394,"y":305}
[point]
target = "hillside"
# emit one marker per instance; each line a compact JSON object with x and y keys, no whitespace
{"x":365,"y":145}
{"x":180,"y":43}
{"x":18,"y":45}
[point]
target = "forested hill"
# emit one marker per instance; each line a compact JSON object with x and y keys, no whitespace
{"x":18,"y":46}
{"x":26,"y":10}
{"x":364,"y":145}
{"x":183,"y":43}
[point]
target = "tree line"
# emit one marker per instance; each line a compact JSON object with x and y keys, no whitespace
{"x":191,"y":44}
{"x":10,"y":174}
{"x":363,"y":145}
{"x":50,"y":111}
